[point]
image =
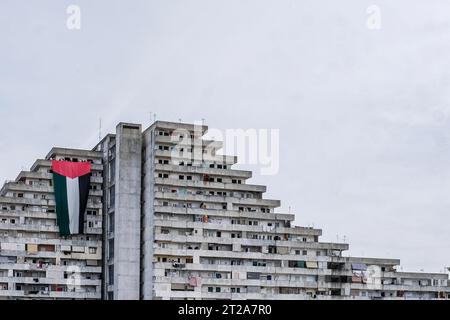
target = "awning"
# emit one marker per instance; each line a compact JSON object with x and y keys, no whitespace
{"x":283,"y":250}
{"x":32,"y":248}
{"x":359,"y":266}
{"x":91,"y":263}
{"x":178,"y":286}
{"x":311,"y":264}
{"x":253,"y":275}
{"x":66,"y":248}
{"x":78,"y":249}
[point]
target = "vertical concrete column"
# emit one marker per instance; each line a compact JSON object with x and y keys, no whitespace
{"x":148,"y":212}
{"x":127,"y":212}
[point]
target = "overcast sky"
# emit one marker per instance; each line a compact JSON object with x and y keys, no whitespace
{"x":363,"y":114}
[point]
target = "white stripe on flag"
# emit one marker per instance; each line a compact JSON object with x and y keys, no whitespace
{"x":73,"y":204}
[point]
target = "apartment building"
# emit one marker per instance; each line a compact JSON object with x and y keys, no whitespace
{"x":168,"y":217}
{"x":36,"y":262}
{"x":182,"y":223}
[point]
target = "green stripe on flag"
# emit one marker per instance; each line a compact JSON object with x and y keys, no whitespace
{"x":62,"y":210}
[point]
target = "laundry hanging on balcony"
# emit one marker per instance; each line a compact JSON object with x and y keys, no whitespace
{"x":71,"y":184}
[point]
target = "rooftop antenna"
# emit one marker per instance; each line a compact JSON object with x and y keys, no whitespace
{"x":289,"y":210}
{"x":203,"y":121}
{"x":179,"y":120}
{"x":154,"y":117}
{"x":100,"y":129}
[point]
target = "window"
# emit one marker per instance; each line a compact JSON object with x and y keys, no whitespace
{"x":304,"y":252}
{"x":217,"y":289}
{"x":219,"y":179}
{"x":189,"y":178}
{"x":92,"y":250}
{"x":112,"y":196}
{"x":210,"y":289}
{"x":111,"y":274}
{"x":181,"y":177}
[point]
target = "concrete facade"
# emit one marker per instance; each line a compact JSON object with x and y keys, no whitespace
{"x":174,"y":220}
{"x":209,"y":234}
{"x":127,"y":212}
{"x":35,"y":262}
{"x":122,"y":160}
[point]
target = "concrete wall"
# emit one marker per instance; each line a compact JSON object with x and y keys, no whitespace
{"x":127,"y":212}
{"x":148,"y":216}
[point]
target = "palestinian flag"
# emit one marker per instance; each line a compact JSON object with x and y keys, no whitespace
{"x":71,"y":184}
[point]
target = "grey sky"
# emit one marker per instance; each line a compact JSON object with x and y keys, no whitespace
{"x":363,"y":114}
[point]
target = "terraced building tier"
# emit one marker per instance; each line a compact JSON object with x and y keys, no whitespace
{"x":35,"y":261}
